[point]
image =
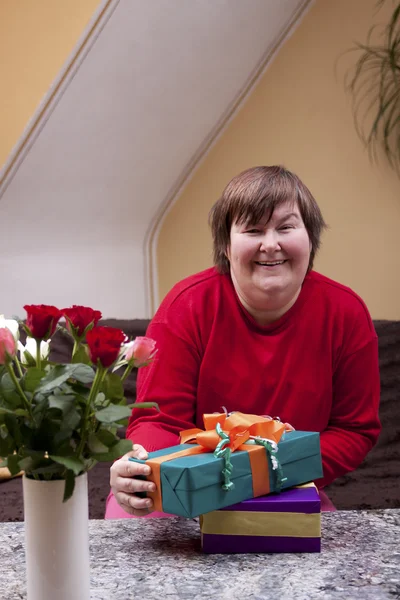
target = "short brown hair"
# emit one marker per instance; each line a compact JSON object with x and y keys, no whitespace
{"x":250,"y":195}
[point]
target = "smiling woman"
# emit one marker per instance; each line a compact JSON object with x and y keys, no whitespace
{"x":269,"y":250}
{"x":260,"y":333}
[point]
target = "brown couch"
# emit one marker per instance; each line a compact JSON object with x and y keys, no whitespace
{"x":375,"y":484}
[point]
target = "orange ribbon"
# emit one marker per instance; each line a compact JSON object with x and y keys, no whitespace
{"x":240,"y":428}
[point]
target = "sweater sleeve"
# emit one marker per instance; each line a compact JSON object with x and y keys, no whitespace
{"x":354,"y":425}
{"x":171,"y":381}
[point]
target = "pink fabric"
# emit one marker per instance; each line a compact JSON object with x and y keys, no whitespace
{"x":326,"y":503}
{"x":114,"y":511}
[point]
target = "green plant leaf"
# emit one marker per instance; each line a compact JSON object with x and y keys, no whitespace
{"x":8,"y":392}
{"x":26,"y":463}
{"x":61,"y":402}
{"x":84,"y":373}
{"x":100,"y":399}
{"x":112,"y":387}
{"x":6,"y":411}
{"x":13,"y":464}
{"x":70,"y":462}
{"x":69,"y":485}
{"x":96,"y":445}
{"x":81,"y":356}
{"x":113,"y":413}
{"x":107,"y":437}
{"x":61,"y":373}
{"x":32,"y":378}
{"x":21,"y":412}
{"x":115,"y":452}
{"x":146,"y":405}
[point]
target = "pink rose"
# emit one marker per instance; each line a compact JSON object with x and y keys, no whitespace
{"x":142,"y":350}
{"x":7,"y":345}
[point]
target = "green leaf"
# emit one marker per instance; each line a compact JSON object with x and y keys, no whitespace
{"x":146,"y":405}
{"x":8,"y":391}
{"x":14,"y":430}
{"x":108,"y":438}
{"x":63,"y":403}
{"x":7,"y":445}
{"x":112,"y":387}
{"x":26,"y":463}
{"x":84,"y":373}
{"x":32,"y":378}
{"x":13,"y":464}
{"x":71,"y":419}
{"x":96,"y":445}
{"x":6,"y":411}
{"x":70,"y":462}
{"x":69,"y":485}
{"x":21,"y":412}
{"x":100,"y":399}
{"x":115,"y":452}
{"x":113,"y":413}
{"x":81,"y":356}
{"x":61,"y":373}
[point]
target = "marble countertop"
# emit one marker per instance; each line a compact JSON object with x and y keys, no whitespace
{"x":154,"y":558}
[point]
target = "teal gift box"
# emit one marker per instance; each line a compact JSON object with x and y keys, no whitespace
{"x":192,"y":485}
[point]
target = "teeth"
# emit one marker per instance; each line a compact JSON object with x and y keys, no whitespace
{"x":271,"y":264}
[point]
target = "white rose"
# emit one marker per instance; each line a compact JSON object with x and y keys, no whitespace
{"x":30,"y":349}
{"x":10,"y":324}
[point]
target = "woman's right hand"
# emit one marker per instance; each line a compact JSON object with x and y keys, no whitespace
{"x":125,"y":486}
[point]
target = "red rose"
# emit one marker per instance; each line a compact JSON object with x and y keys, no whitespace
{"x":41,"y":320}
{"x":104,"y":344}
{"x":80,"y":317}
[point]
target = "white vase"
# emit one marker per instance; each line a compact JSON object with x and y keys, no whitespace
{"x":56,"y":540}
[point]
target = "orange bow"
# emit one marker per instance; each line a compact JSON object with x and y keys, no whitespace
{"x":240,"y":427}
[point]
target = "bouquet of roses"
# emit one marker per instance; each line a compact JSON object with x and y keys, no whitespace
{"x":58,"y":420}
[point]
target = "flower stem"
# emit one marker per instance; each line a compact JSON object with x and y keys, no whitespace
{"x":38,"y":357}
{"x":98,"y":379}
{"x":127,"y":372}
{"x":20,"y":373}
{"x":19,"y":390}
{"x":75,"y":348}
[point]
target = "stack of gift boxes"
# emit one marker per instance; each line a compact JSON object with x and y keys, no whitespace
{"x":249,"y":481}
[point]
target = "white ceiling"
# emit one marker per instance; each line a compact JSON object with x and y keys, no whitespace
{"x":155,"y":82}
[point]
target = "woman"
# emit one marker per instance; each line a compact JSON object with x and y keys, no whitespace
{"x":260,"y":333}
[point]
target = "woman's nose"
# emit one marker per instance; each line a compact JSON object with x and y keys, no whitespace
{"x":269,"y":242}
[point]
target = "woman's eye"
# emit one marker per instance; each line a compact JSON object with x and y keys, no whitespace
{"x":252,"y":230}
{"x":285,"y":227}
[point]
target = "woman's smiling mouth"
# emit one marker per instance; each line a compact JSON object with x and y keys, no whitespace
{"x":270,"y":263}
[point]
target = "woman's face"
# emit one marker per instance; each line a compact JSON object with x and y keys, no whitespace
{"x":270,"y":260}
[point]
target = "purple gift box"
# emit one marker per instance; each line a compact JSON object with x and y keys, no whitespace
{"x":285,"y":522}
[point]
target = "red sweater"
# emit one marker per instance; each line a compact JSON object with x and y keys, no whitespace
{"x":316,"y":367}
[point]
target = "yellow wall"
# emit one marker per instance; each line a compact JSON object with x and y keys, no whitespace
{"x":299,"y":115}
{"x":36,"y":37}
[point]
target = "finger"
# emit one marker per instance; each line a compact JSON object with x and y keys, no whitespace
{"x":132,"y":485}
{"x":139,"y":452}
{"x":126,"y":468}
{"x":134,"y":511}
{"x":134,"y":502}
{"x":288,"y":427}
